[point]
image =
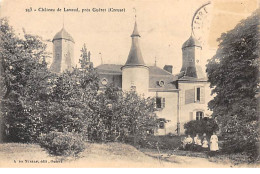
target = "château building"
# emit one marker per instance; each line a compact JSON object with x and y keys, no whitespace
{"x":179,"y":97}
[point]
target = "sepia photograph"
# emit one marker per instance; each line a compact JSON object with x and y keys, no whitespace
{"x":129,"y":83}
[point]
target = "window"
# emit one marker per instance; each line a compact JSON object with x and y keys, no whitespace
{"x":198,"y":94}
{"x":160,"y":102}
{"x":161,"y":83}
{"x":199,"y":115}
{"x":161,"y":125}
{"x":133,"y":87}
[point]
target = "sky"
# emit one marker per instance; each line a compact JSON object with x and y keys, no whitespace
{"x":164,"y":25}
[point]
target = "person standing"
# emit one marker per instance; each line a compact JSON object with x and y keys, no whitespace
{"x":214,"y":143}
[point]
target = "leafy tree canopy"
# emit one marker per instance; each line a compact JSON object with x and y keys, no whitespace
{"x":233,"y":74}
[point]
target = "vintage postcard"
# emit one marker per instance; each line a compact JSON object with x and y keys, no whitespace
{"x":129,"y":83}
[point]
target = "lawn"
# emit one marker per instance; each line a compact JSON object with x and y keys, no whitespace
{"x":105,"y":155}
{"x":95,"y":155}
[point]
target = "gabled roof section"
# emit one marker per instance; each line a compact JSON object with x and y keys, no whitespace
{"x":63,"y":34}
{"x":154,"y":70}
{"x":156,"y":75}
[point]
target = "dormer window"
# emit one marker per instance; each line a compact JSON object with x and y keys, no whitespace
{"x":161,"y":83}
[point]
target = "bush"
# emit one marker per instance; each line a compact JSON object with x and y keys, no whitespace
{"x":165,"y":142}
{"x":206,"y":125}
{"x":62,"y":143}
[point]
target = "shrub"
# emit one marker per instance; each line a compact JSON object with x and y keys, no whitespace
{"x":165,"y":142}
{"x":206,"y":125}
{"x":62,"y":143}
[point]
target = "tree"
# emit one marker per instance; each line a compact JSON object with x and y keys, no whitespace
{"x":206,"y":125}
{"x":24,"y":76}
{"x":72,"y":99}
{"x":122,"y":114}
{"x":233,"y":74}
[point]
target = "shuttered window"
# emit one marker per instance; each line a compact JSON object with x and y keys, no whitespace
{"x":199,"y":94}
{"x":160,"y":102}
{"x":163,"y":102}
{"x":202,"y":94}
{"x":189,"y":96}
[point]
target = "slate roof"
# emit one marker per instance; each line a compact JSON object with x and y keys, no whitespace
{"x":182,"y":76}
{"x":156,"y":74}
{"x":109,"y":68}
{"x":63,"y":34}
{"x":192,"y":41}
{"x":193,"y":72}
{"x":135,"y":57}
{"x":187,"y":78}
{"x":135,"y":32}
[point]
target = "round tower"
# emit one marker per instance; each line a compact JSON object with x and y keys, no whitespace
{"x":63,"y":51}
{"x":191,"y":54}
{"x":135,"y":74}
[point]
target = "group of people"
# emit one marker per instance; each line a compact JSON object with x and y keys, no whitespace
{"x":201,"y":144}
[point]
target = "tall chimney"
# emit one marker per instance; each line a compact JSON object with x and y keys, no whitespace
{"x":168,"y":68}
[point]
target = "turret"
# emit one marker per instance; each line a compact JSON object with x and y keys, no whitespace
{"x":191,"y":54}
{"x":63,"y":51}
{"x":135,"y":74}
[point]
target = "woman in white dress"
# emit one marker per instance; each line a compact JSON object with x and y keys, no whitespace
{"x":214,"y":142}
{"x":197,"y":143}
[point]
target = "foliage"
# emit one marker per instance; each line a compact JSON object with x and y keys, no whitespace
{"x":24,"y":77}
{"x":62,"y":143}
{"x":205,"y":125}
{"x":119,"y":115}
{"x":233,"y":74}
{"x":161,"y":142}
{"x":69,"y":107}
{"x":36,"y":101}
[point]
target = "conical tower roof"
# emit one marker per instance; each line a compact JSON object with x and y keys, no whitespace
{"x":63,"y":34}
{"x":135,"y":55}
{"x":135,"y":32}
